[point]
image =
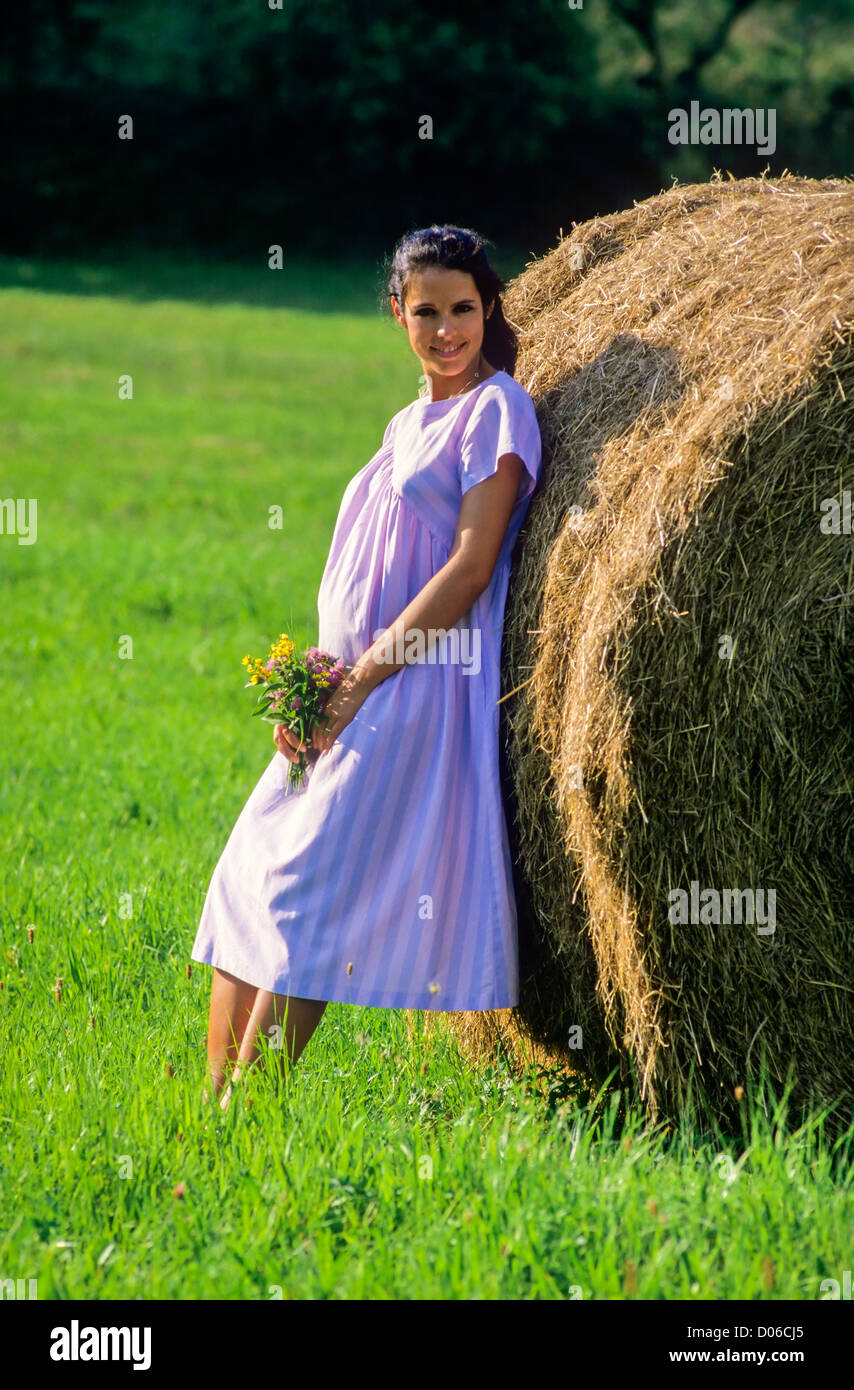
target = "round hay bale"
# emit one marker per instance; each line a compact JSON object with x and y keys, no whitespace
{"x":678,"y":712}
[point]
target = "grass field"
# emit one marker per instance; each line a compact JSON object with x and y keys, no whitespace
{"x":382,"y":1166}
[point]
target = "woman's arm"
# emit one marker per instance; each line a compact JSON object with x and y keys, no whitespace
{"x":485,"y":513}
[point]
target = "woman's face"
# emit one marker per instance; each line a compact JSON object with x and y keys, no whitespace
{"x":444,"y":318}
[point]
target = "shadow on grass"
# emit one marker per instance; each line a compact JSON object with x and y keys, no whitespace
{"x":312,"y":284}
{"x":316,"y":286}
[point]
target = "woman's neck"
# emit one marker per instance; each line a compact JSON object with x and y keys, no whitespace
{"x":484,"y":370}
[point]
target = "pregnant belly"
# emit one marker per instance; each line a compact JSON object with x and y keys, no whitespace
{"x":352,"y":611}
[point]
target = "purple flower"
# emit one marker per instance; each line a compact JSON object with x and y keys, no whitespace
{"x":296,"y":702}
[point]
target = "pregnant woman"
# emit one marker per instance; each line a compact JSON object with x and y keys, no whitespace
{"x":385,"y":878}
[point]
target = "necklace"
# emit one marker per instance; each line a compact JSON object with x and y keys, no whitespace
{"x":426,"y":386}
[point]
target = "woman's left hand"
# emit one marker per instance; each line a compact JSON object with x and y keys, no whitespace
{"x":340,"y":708}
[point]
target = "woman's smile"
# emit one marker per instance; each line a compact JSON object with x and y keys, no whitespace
{"x":438,"y":303}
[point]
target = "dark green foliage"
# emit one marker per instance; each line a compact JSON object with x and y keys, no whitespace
{"x":300,"y":126}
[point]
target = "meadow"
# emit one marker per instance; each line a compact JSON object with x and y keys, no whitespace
{"x":383,"y":1166}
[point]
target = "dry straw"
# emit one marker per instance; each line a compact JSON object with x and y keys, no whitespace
{"x":691,"y":362}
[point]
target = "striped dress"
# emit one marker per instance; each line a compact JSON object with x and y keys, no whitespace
{"x":385,"y":879}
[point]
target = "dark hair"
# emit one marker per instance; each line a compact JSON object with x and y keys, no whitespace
{"x":457,"y":248}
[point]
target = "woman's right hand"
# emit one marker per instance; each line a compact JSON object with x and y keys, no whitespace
{"x":288,"y":743}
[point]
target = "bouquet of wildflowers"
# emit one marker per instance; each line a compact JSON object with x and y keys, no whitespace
{"x":294,"y":689}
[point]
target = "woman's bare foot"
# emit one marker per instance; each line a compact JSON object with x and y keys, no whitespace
{"x":225,"y":1099}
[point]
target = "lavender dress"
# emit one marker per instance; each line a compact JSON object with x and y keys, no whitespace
{"x":386,"y":878}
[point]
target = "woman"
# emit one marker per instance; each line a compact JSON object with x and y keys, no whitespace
{"x":385,"y":879}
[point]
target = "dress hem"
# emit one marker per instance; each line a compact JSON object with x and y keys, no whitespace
{"x":374,"y":999}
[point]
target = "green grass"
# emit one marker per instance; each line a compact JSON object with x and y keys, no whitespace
{"x":380,"y":1167}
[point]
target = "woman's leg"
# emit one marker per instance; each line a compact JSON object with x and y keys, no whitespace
{"x":295,"y":1019}
{"x":232,"y":1001}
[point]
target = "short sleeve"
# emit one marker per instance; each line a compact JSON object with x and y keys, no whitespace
{"x":501,"y":423}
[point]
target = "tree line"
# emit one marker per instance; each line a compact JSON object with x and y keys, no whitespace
{"x":323,"y":125}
